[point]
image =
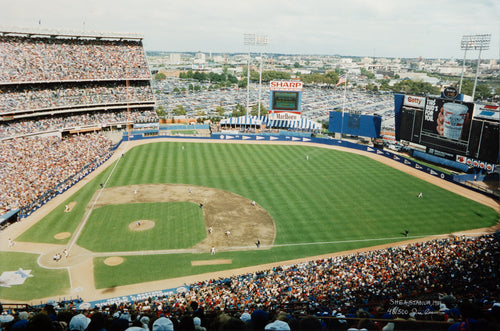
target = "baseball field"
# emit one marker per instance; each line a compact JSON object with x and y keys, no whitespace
{"x":159,"y":210}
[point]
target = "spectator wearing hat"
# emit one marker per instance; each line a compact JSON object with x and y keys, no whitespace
{"x":278,"y":325}
{"x":5,"y":320}
{"x":245,"y":317}
{"x":145,"y":322}
{"x":79,"y":322}
{"x":197,"y":324}
{"x":163,"y":324}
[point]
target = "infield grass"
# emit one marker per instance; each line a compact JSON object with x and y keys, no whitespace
{"x":172,"y":220}
{"x":332,"y":202}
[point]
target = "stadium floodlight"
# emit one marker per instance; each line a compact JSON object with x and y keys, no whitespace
{"x":248,"y":40}
{"x":260,"y":41}
{"x":251,"y":39}
{"x":466,"y":44}
{"x":477,"y":42}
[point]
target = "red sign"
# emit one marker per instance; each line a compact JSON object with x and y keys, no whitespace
{"x":414,"y":101}
{"x":279,"y":85}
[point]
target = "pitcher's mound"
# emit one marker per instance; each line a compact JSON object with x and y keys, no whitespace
{"x":62,"y":235}
{"x":114,"y":260}
{"x":141,"y":225}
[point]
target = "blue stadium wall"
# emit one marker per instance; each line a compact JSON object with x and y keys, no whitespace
{"x":355,"y":124}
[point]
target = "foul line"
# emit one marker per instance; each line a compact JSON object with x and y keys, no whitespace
{"x":87,"y":215}
{"x":245,"y":248}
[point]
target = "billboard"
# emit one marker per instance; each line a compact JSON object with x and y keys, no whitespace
{"x":285,"y":99}
{"x":450,"y":129}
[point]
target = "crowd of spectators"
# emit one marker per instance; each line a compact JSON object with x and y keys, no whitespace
{"x":40,"y":97}
{"x":31,"y":167}
{"x":459,"y":275}
{"x":51,"y":123}
{"x":39,"y":59}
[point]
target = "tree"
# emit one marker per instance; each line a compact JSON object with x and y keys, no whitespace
{"x":482,"y":90}
{"x":200,"y":76}
{"x":371,"y":87}
{"x":255,"y":109}
{"x":160,"y":111}
{"x":331,"y":78}
{"x":220,"y":110}
{"x":415,"y":87}
{"x":384,"y":84}
{"x":296,"y":65}
{"x":232,"y":79}
{"x":239,"y":110}
{"x":160,"y":76}
{"x":200,"y":111}
{"x":367,"y":74}
{"x":242,"y":83}
{"x":176,"y":90}
{"x":179,"y":110}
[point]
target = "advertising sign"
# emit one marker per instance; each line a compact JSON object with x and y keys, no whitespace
{"x":285,"y":99}
{"x":280,"y":85}
{"x":447,"y":120}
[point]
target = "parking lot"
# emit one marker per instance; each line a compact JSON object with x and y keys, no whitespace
{"x":316,"y":102}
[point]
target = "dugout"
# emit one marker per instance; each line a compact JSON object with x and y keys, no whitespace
{"x":8,"y":218}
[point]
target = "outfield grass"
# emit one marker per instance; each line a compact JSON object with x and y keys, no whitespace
{"x":332,"y":202}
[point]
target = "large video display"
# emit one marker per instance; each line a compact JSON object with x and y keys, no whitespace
{"x":285,"y":100}
{"x":449,"y":129}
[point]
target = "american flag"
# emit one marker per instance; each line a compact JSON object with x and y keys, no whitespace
{"x":342,"y":80}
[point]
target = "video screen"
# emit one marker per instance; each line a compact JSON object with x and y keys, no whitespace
{"x":285,"y":100}
{"x":447,"y":129}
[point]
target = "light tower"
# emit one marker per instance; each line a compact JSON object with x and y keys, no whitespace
{"x":477,"y":42}
{"x":251,"y":39}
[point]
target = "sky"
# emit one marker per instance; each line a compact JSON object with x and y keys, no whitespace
{"x":373,"y":28}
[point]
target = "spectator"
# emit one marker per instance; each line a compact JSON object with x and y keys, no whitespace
{"x":34,"y":167}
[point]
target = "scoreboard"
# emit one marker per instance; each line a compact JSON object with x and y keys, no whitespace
{"x":460,"y":131}
{"x":285,"y":100}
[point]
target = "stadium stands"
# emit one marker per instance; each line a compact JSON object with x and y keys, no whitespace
{"x":58,"y":85}
{"x":34,"y":167}
{"x":423,"y":286}
{"x":29,"y":59}
{"x":53,"y":77}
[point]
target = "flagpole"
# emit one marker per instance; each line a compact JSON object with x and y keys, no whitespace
{"x":343,"y":107}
